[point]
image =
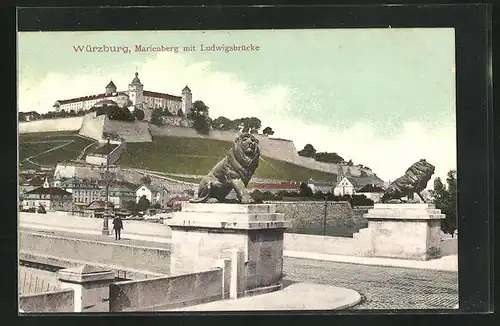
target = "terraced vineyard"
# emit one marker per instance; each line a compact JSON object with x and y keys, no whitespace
{"x":50,"y":148}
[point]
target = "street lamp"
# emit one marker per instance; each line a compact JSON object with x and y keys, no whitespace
{"x":105,"y":228}
{"x":324,"y":218}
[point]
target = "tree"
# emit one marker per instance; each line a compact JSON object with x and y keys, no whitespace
{"x":350,"y":163}
{"x":308,"y":151}
{"x":222,"y":123}
{"x":254,"y":131}
{"x":146,"y":180}
{"x":445,"y":199}
{"x":156,"y":116}
{"x":305,"y":190}
{"x":199,"y":115}
{"x":157,"y":206}
{"x":319,"y":195}
{"x":180,"y":113}
{"x":143,"y":204}
{"x":138,"y":114}
{"x":268,"y":131}
{"x":130,"y":205}
{"x":328,"y":157}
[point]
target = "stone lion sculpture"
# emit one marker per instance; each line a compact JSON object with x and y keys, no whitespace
{"x":233,"y":172}
{"x":413,"y":181}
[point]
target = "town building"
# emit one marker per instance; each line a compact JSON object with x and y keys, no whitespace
{"x":134,"y":97}
{"x":325,"y":186}
{"x":84,"y":191}
{"x":371,"y":191}
{"x":118,"y":194}
{"x":51,"y":198}
{"x":153,"y":193}
{"x":32,"y":181}
{"x":349,"y":186}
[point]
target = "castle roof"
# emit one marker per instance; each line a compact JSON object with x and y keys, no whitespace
{"x":162,"y":95}
{"x":136,"y":79}
{"x":111,"y":84}
{"x":186,"y":89}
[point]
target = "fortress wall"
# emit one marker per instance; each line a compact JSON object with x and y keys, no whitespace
{"x":131,"y":132}
{"x":63,"y":124}
{"x":92,"y":126}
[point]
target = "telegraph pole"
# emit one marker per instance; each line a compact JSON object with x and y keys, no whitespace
{"x":105,"y":229}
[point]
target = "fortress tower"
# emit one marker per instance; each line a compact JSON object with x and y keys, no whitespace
{"x":187,"y":100}
{"x":136,"y":91}
{"x":110,"y":88}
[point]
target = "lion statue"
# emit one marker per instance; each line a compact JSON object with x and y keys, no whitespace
{"x":413,"y":181}
{"x":233,"y":172}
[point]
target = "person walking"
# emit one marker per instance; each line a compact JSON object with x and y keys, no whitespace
{"x":117,"y":226}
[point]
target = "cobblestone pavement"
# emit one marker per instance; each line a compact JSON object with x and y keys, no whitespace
{"x":380,"y":287}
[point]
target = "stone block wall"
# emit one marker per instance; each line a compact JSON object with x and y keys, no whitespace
{"x":167,"y":292}
{"x":310,"y":214}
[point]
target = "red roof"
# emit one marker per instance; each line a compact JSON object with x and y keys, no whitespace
{"x":162,"y":95}
{"x":276,"y":186}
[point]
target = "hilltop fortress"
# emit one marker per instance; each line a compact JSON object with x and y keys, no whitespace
{"x":134,"y":97}
{"x":98,"y":127}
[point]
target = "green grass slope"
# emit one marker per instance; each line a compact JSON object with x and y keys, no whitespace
{"x":198,"y":156}
{"x":40,"y":144}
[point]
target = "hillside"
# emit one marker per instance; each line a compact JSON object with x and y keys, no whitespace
{"x":50,"y":148}
{"x":197,"y":156}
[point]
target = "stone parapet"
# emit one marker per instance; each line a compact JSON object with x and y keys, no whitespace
{"x":408,"y":231}
{"x":201,"y":232}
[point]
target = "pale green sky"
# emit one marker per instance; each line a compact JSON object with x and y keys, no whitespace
{"x":381,"y":97}
{"x":386,"y":76}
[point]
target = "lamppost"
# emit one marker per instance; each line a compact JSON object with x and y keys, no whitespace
{"x":105,"y":228}
{"x":324,"y":218}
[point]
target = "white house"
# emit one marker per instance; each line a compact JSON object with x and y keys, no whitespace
{"x":155,"y":194}
{"x":346,"y":186}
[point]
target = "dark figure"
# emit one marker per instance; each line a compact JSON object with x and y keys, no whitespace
{"x":117,"y":226}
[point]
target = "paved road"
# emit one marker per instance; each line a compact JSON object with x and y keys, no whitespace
{"x":380,"y":287}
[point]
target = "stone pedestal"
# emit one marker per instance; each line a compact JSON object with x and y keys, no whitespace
{"x":409,"y":231}
{"x":203,"y":233}
{"x":90,"y":285}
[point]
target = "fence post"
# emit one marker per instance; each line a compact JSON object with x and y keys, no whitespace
{"x":90,"y":285}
